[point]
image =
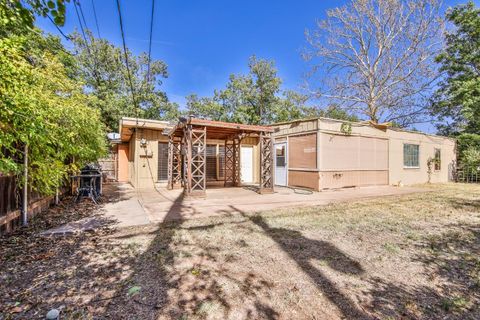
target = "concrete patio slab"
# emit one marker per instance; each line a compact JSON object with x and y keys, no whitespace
{"x":127,"y":207}
{"x":163,"y":205}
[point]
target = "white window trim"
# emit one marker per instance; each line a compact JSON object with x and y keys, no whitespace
{"x":403,"y":159}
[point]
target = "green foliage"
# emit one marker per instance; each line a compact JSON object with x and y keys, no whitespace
{"x":346,"y":128}
{"x":101,"y":66}
{"x":42,"y":107}
{"x":17,"y":16}
{"x":468,"y":145}
{"x":254,"y":98}
{"x":471,"y":157}
{"x":257,"y":98}
{"x":336,"y":112}
{"x":458,"y":97}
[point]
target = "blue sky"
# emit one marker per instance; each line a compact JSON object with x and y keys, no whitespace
{"x":203,"y":42}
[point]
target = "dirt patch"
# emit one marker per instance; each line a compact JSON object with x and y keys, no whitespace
{"x":402,"y":257}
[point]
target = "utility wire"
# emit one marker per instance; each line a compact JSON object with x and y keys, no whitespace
{"x":96,"y":20}
{"x":150,"y":41}
{"x":83,"y":16}
{"x":58,"y":28}
{"x":87,"y":46}
{"x":126,"y":58}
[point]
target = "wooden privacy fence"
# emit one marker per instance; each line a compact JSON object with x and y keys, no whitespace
{"x":109,"y":167}
{"x":9,"y":198}
{"x":11,"y":202}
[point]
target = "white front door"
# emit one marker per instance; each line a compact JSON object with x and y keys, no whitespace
{"x":281,"y":164}
{"x":246,"y":164}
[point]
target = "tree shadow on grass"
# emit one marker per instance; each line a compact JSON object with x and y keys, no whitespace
{"x":38,"y":273}
{"x":304,"y":251}
{"x":180,"y":275}
{"x":452,"y":263}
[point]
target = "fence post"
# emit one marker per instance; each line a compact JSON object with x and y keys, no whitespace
{"x":25,"y":187}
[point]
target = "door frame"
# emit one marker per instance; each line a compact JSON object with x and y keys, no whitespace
{"x":275,"y":162}
{"x":252,"y":164}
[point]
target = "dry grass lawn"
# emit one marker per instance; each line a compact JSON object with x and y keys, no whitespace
{"x":404,"y":257}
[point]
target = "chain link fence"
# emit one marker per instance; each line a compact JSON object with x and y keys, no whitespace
{"x":468,"y":174}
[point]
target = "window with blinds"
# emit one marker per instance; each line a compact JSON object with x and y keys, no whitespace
{"x":221,"y":161}
{"x":162,"y":161}
{"x":212,"y":162}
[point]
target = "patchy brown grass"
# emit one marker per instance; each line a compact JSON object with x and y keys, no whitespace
{"x":405,"y":257}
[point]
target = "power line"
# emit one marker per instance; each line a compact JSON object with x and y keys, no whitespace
{"x":150,"y":42}
{"x":81,"y":13}
{"x":75,"y":3}
{"x":126,"y":58}
{"x":96,"y":20}
{"x":58,"y":28}
{"x":89,"y":52}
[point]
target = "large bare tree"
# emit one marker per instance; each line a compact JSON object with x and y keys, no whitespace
{"x":375,"y":58}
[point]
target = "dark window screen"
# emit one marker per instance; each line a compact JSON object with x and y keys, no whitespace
{"x":211,"y":162}
{"x":162,"y":161}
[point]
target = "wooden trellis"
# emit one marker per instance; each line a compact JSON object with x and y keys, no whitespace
{"x":266,"y":163}
{"x":174,"y":163}
{"x":196,"y":160}
{"x":191,"y":153}
{"x":232,"y":162}
{"x":229,"y":163}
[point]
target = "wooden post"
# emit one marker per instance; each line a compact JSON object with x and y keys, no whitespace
{"x":229,"y":175}
{"x":25,"y":187}
{"x":170,"y":163}
{"x":236,"y":162}
{"x":266,"y":164}
{"x":198,"y":161}
{"x":188,"y":145}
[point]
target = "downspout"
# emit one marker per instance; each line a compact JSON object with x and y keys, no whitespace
{"x":25,"y":187}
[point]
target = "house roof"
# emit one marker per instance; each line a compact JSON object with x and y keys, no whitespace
{"x":128,"y":126}
{"x":368,"y":123}
{"x":219,"y":129}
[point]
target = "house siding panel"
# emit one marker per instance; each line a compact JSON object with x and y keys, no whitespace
{"x":302,"y":151}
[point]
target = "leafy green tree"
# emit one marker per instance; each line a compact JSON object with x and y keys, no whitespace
{"x":336,"y":112}
{"x":458,"y":98}
{"x":457,"y":101}
{"x":18,"y":16}
{"x":254,"y":98}
{"x":40,"y":106}
{"x":101,"y":66}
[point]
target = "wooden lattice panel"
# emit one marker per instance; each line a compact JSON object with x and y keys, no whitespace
{"x":196,"y":142}
{"x":174,"y":163}
{"x":236,"y":163}
{"x":229,"y":164}
{"x":266,"y":164}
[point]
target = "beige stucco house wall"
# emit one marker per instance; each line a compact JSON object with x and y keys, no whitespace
{"x":427,"y":145}
{"x":366,"y":155}
{"x":140,"y":167}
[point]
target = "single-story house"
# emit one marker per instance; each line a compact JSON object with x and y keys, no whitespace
{"x":194,"y":153}
{"x":316,"y":153}
{"x":325,"y":153}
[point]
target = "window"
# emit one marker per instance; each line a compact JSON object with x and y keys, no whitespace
{"x":280,"y":154}
{"x":438,"y":160}
{"x":410,"y":155}
{"x":162,"y":161}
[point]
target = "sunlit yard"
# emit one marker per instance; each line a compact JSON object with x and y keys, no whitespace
{"x":412,"y":256}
